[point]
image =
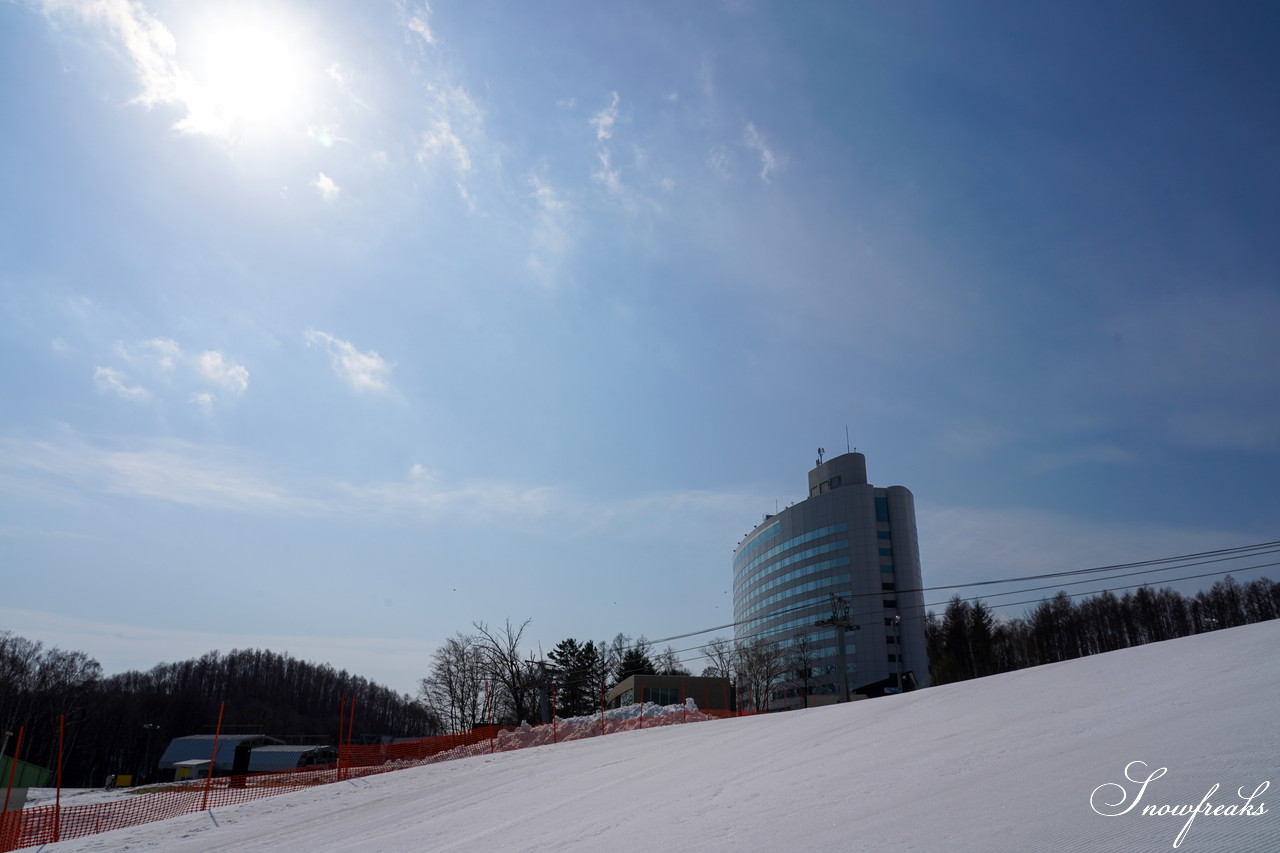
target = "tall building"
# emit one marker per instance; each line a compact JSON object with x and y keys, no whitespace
{"x":849,"y":544}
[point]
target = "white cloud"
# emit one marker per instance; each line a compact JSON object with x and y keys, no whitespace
{"x":442,"y":140}
{"x":153,"y":51}
{"x":604,"y":120}
{"x":220,"y":478}
{"x":111,"y":381}
{"x":345,"y":80}
{"x":456,"y":130}
{"x":363,"y":371}
{"x":203,"y":400}
{"x":328,"y":189}
{"x":608,"y":176}
{"x":216,"y":370}
{"x":769,"y":161}
{"x":167,"y":365}
{"x":420,"y":24}
{"x":550,"y":239}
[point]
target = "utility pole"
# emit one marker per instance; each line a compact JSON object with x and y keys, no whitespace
{"x":145,"y":775}
{"x":840,"y":621}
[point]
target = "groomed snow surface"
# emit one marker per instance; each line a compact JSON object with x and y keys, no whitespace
{"x":1016,"y":762}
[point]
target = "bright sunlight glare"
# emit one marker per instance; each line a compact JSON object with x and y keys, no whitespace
{"x":250,"y":71}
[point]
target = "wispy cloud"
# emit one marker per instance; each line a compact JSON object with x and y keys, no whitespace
{"x":769,"y":160}
{"x":171,"y":471}
{"x":441,"y":140}
{"x":551,"y":238}
{"x":328,"y":189}
{"x":420,"y":25}
{"x":164,"y":364}
{"x":608,"y":176}
{"x":361,"y":371}
{"x":218,"y":371}
{"x":455,"y":130}
{"x":111,"y":381}
{"x":344,"y":78}
{"x":203,"y":400}
{"x":604,"y":120}
{"x":223,"y":479}
{"x":153,"y":50}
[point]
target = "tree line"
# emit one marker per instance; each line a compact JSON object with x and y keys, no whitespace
{"x":121,"y":723}
{"x":968,"y":641}
{"x":486,"y":675}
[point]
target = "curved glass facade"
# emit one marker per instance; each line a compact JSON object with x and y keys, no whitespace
{"x":847,"y":539}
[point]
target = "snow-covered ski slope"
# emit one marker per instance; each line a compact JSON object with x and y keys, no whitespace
{"x":1017,"y":762}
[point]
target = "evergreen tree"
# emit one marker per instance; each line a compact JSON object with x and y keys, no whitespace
{"x":636,"y":661}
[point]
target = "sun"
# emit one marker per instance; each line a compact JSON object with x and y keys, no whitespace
{"x":250,"y":70}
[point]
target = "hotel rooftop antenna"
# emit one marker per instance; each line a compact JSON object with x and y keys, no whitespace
{"x":847,"y":448}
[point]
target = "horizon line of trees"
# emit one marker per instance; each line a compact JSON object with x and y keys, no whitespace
{"x":121,"y":723}
{"x":107,"y":718}
{"x":969,"y":641}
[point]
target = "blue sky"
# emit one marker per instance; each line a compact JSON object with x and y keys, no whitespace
{"x":334,"y":327}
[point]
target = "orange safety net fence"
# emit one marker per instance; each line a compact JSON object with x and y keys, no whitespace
{"x":46,"y":824}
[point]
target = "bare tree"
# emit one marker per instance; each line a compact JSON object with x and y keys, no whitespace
{"x":515,"y":680}
{"x":666,"y":663}
{"x":802,"y":657}
{"x":761,"y":664}
{"x":723,"y":658}
{"x":455,"y":688}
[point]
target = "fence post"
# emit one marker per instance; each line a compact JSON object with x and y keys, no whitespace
{"x":342,"y":714}
{"x":13,"y":768}
{"x":351,"y":722}
{"x":553,"y":713}
{"x":602,"y":706}
{"x":488,"y":716}
{"x":57,"y":797}
{"x":213,"y":758}
{"x":684,"y":704}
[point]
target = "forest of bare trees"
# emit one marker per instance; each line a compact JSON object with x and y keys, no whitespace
{"x":119,"y":723}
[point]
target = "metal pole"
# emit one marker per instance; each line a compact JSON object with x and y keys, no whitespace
{"x":840,"y":622}
{"x":145,"y":775}
{"x":213,"y":758}
{"x":897,"y":638}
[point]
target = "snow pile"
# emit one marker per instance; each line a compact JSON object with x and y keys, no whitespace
{"x":627,"y":718}
{"x":1049,"y":759}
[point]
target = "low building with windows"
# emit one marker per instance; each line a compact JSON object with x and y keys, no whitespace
{"x":709,"y":694}
{"x":844,"y":560}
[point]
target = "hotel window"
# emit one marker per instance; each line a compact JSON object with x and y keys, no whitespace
{"x":882,"y":509}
